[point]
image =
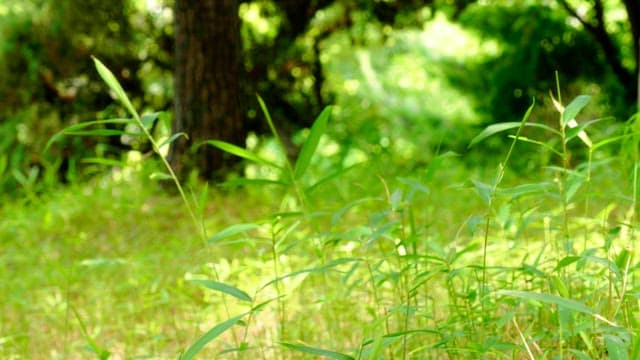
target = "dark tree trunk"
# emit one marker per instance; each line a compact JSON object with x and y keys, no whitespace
{"x":595,"y":24}
{"x":206,"y":83}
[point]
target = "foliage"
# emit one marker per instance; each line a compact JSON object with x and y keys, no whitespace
{"x":434,"y":263}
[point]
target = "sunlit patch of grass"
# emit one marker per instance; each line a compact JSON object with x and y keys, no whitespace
{"x":112,"y":250}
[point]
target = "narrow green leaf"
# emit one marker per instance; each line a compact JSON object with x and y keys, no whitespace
{"x":574,"y":108}
{"x":98,"y":132}
{"x":616,"y":347}
{"x":267,"y":116}
{"x":317,"y":351}
{"x":578,"y":130}
{"x":436,"y":164}
{"x":540,"y":143}
{"x":238,"y":151}
{"x":224,"y":288}
{"x":232,"y":230}
{"x":216,"y":331}
{"x":252,"y":182}
{"x":566,"y":261}
{"x":311,"y":144}
{"x":149,"y":119}
{"x":75,"y":128}
{"x":569,"y":304}
{"x":580,"y":355}
{"x":320,"y":269}
{"x":202,"y":199}
{"x":484,"y":190}
{"x":527,"y":189}
{"x":493,"y":129}
{"x":500,"y":127}
{"x":173,"y":138}
{"x":330,"y":177}
{"x":103,"y":161}
{"x":115,"y":86}
{"x":160,"y":176}
{"x":414,"y":184}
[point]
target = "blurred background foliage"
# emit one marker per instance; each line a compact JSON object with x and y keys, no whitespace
{"x":408,"y":78}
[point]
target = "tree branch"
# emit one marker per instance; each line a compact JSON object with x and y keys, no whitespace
{"x":596,"y":27}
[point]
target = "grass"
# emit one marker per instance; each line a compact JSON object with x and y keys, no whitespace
{"x":395,"y":271}
{"x":370,"y":263}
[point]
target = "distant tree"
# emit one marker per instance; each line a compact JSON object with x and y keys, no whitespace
{"x":206,"y":83}
{"x":595,"y":23}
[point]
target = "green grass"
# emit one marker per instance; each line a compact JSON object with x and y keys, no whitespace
{"x":395,"y":271}
{"x":448,"y":261}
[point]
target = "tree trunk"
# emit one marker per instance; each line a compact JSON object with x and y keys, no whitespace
{"x":206,"y":84}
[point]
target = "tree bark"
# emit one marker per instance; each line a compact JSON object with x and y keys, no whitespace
{"x":206,"y":84}
{"x":596,"y":27}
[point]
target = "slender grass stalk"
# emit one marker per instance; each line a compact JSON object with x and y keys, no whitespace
{"x":490,"y":208}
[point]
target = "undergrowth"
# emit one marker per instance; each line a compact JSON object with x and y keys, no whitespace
{"x":435,"y":264}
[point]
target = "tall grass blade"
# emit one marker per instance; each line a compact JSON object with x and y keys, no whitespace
{"x":493,"y":129}
{"x":224,"y":288}
{"x":616,"y":347}
{"x":311,"y":144}
{"x":232,"y":230}
{"x":569,"y":304}
{"x":114,"y":85}
{"x":216,"y":331}
{"x":238,"y":151}
{"x":317,"y":351}
{"x":496,"y":128}
{"x":77,"y":127}
{"x":571,"y":110}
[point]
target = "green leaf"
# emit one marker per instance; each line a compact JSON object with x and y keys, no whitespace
{"x":77,"y":127}
{"x":267,"y":116}
{"x":316,"y":351}
{"x":569,"y":304}
{"x":173,"y":138}
{"x":103,"y":161}
{"x":330,"y":177}
{"x":493,"y":129}
{"x":149,"y":119}
{"x":580,"y":355}
{"x":320,"y":269}
{"x":436,"y":164}
{"x":252,"y":182}
{"x":574,"y":108}
{"x":616,"y":347}
{"x":160,"y":176}
{"x":527,"y":189}
{"x":114,"y":85}
{"x":579,"y":131}
{"x":500,"y":127}
{"x":540,"y":143}
{"x":224,"y":288}
{"x":566,"y":261}
{"x":216,"y":331}
{"x":484,"y":190}
{"x":238,"y":151}
{"x":311,"y":144}
{"x":231,"y":231}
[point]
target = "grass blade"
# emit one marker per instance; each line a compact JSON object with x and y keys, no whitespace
{"x":114,"y":85}
{"x":569,"y":304}
{"x":238,"y":151}
{"x":493,"y":129}
{"x":209,"y":336}
{"x":311,"y":144}
{"x":316,"y":351}
{"x":77,"y":127}
{"x":232,"y":230}
{"x":224,"y":288}
{"x":574,"y":108}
